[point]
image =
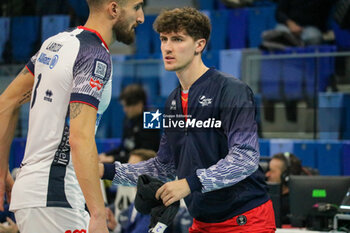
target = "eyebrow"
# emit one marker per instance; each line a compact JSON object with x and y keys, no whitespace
{"x":140,"y":4}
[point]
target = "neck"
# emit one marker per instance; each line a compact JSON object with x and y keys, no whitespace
{"x":191,"y":73}
{"x":285,"y":190}
{"x":98,"y":23}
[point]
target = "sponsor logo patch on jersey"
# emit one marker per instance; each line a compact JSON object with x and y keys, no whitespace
{"x":100,"y":69}
{"x":96,"y":83}
{"x":53,"y":62}
{"x":43,"y":58}
{"x":54,"y":47}
{"x":48,"y":96}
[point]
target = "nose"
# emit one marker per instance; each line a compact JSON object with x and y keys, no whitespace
{"x":140,"y":17}
{"x":166,"y":47}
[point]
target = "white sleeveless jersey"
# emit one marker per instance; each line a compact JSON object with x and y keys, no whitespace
{"x":70,"y":67}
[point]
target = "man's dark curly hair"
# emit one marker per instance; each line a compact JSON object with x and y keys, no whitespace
{"x":193,"y":22}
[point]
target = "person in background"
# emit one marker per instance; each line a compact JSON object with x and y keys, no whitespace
{"x":131,"y":221}
{"x":304,"y":19}
{"x":133,"y":99}
{"x":281,"y":166}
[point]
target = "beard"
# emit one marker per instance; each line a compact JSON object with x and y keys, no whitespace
{"x":122,"y":31}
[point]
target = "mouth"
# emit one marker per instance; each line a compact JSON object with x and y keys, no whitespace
{"x":169,"y":58}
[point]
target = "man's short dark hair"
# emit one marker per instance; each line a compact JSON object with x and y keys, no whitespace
{"x":292,"y":164}
{"x":193,"y":22}
{"x":133,"y":94}
{"x":97,"y":3}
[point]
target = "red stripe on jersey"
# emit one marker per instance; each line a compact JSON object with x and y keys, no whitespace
{"x":96,"y":32}
{"x":184,"y":103}
{"x":29,"y":70}
{"x":81,"y":102}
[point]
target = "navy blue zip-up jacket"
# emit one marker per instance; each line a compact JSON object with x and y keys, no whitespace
{"x":219,"y":162}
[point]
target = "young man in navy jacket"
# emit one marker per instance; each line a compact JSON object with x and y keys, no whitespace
{"x":210,"y":137}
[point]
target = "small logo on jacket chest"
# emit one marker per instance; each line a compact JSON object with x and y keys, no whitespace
{"x":204,"y":101}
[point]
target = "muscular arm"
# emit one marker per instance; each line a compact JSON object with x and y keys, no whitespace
{"x":85,"y":157}
{"x":16,"y":94}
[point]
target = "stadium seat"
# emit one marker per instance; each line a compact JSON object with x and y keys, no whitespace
{"x":118,"y":73}
{"x":292,"y":76}
{"x":311,"y":89}
{"x":211,"y":58}
{"x":342,"y":36}
{"x":230,"y":62}
{"x":206,"y":4}
{"x":305,"y":150}
{"x":264,"y":145}
{"x":24,"y":37}
{"x":256,"y":25}
{"x":53,"y":24}
{"x":4,"y":35}
{"x":270,"y":18}
{"x":270,"y":78}
{"x":104,"y":127}
{"x":346,"y":117}
{"x":167,"y":81}
{"x":147,"y":74}
{"x":346,"y":158}
{"x":107,"y":144}
{"x":117,"y":114}
{"x":329,"y":154}
{"x":325,"y":67}
{"x":330,"y":111}
{"x":219,"y":20}
{"x":237,"y":28}
{"x":17,"y":152}
{"x":261,"y":18}
{"x":281,"y":146}
{"x":144,"y":37}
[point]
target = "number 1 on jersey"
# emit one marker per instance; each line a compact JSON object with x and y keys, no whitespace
{"x":35,"y":90}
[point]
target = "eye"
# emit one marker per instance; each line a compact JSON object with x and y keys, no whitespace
{"x":138,"y":7}
{"x":177,"y":39}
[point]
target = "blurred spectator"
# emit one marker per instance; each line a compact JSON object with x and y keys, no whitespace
{"x":281,"y":166}
{"x":125,"y":218}
{"x":304,"y":19}
{"x":133,"y":98}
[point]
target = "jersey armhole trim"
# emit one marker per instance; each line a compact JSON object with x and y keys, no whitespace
{"x":29,"y":70}
{"x":82,"y":102}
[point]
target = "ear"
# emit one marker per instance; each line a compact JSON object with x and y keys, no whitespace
{"x":113,"y":9}
{"x":200,"y":45}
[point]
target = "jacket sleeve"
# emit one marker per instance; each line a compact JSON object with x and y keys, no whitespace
{"x":281,"y":11}
{"x":162,"y":167}
{"x":237,"y":112}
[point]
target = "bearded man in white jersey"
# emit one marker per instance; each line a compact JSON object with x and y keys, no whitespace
{"x":69,"y":84}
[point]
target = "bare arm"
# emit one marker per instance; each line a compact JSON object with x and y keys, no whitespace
{"x":85,"y":160}
{"x":16,"y":94}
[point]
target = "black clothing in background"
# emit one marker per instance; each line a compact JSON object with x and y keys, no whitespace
{"x":285,"y":209}
{"x":305,"y":12}
{"x":135,"y":137}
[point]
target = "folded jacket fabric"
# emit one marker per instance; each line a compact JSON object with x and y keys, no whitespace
{"x":146,"y":203}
